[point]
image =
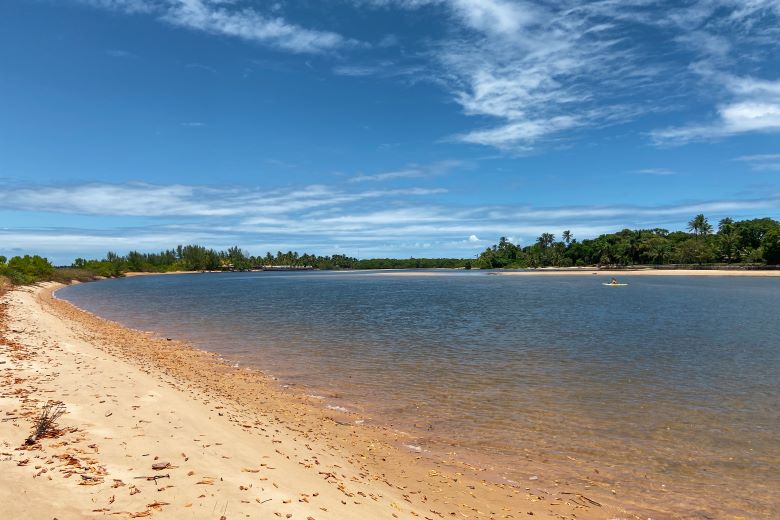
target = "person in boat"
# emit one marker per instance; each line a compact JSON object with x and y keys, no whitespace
{"x":613,"y":281}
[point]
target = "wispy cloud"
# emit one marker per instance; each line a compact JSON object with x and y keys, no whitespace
{"x":762,"y":162}
{"x":533,"y":71}
{"x":223,"y":17}
{"x":754,"y":107}
{"x":536,"y":71}
{"x":655,"y":171}
{"x":200,"y":66}
{"x":119,"y":53}
{"x":412,"y":171}
{"x":250,"y":25}
{"x":381,"y":69}
{"x":723,"y":37}
{"x":128,"y":6}
{"x":320,"y":218}
{"x":184,"y":201}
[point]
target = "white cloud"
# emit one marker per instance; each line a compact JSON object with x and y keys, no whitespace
{"x":385,"y":176}
{"x":537,"y":70}
{"x":759,"y":157}
{"x":513,"y":134}
{"x":656,"y":171}
{"x":382,"y":69}
{"x":726,"y":35}
{"x":412,"y":171}
{"x":542,"y":72}
{"x":128,"y":6}
{"x":317,"y":217}
{"x":222,"y":17}
{"x":495,"y":16}
{"x":756,"y":108}
{"x":250,"y":25}
{"x":148,"y":200}
{"x":762,"y":162}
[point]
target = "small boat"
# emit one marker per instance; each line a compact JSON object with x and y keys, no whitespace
{"x":615,"y":284}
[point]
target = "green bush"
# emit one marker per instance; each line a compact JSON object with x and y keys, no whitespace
{"x":26,"y":269}
{"x":771,"y":246}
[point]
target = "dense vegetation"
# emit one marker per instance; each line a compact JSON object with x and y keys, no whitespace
{"x":198,"y":258}
{"x":22,"y":270}
{"x":755,"y":241}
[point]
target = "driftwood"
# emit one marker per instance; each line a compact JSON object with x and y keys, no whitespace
{"x":155,"y":477}
{"x":578,"y":495}
{"x":50,"y":412}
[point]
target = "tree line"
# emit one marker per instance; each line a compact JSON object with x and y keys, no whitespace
{"x":754,"y":241}
{"x":199,"y":258}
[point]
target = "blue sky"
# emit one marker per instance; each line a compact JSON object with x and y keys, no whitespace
{"x":379,"y":127}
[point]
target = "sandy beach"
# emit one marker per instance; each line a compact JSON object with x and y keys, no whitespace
{"x":155,"y":428}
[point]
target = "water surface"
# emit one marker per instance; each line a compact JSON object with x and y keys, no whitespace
{"x":666,"y":391}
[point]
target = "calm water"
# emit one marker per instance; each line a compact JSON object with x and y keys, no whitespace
{"x":666,"y":391}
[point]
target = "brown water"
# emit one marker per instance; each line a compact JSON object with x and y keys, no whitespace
{"x":666,"y":391}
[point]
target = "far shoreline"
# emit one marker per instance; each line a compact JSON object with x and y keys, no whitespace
{"x":768,"y":271}
{"x":640,"y":271}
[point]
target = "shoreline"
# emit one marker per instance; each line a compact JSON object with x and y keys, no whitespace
{"x":325,"y":465}
{"x":541,"y":271}
{"x":584,"y":271}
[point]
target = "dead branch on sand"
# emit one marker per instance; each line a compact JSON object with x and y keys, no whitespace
{"x":50,"y":412}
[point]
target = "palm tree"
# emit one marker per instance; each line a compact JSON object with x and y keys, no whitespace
{"x":545,"y":240}
{"x":700,"y":226}
{"x":725,"y":225}
{"x":567,"y":237}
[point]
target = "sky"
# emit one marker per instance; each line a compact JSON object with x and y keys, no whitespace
{"x":379,"y":128}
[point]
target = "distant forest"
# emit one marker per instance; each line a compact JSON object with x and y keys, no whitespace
{"x":755,"y":241}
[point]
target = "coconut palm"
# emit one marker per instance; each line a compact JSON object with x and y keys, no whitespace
{"x":567,"y":237}
{"x":725,"y":225}
{"x":545,"y":240}
{"x":700,"y":226}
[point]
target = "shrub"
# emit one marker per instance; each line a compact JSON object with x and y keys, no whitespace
{"x":27,"y":269}
{"x":771,"y":246}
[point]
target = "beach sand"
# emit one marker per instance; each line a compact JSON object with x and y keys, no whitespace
{"x":132,"y":274}
{"x":156,"y":428}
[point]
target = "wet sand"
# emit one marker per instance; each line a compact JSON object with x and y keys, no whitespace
{"x":156,"y":428}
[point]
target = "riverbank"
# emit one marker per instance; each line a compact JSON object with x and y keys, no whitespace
{"x":131,"y":274}
{"x":590,"y":271}
{"x":156,"y":428}
{"x":550,"y":271}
